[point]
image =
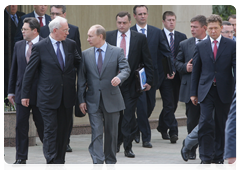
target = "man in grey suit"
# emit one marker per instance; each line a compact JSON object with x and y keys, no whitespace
{"x":183,"y":64}
{"x":103,"y":68}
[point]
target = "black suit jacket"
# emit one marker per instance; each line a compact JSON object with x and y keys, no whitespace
{"x":158,"y":48}
{"x":54,"y":85}
{"x":20,"y":24}
{"x":138,"y":53}
{"x":19,"y":65}
{"x":205,"y":68}
{"x":73,"y":34}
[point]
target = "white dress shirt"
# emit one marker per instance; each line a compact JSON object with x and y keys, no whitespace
{"x":167,"y":34}
{"x":212,"y":41}
{"x":139,"y":29}
{"x":34,"y":41}
{"x":197,"y":40}
{"x":127,"y":38}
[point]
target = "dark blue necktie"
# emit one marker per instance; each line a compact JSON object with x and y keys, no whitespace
{"x":59,"y":56}
{"x":143,"y":31}
{"x":172,"y":44}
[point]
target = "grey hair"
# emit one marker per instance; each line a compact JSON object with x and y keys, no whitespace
{"x":56,"y":23}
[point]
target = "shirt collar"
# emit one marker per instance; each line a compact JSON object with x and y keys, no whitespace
{"x":52,"y":40}
{"x":139,"y":28}
{"x":126,"y":33}
{"x":196,"y":39}
{"x":167,"y":31}
{"x":36,"y":15}
{"x":11,"y":14}
{"x":103,"y":48}
{"x":218,"y":39}
{"x":35,"y":40}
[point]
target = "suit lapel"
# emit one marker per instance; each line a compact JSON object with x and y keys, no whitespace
{"x":209,"y":48}
{"x":23,"y":49}
{"x":107,"y":58}
{"x":149,"y":36}
{"x":50,"y":49}
{"x":93,"y":59}
{"x":221,"y":47}
{"x":131,"y":45}
{"x":65,"y":48}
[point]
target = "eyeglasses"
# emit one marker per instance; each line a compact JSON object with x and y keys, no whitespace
{"x":57,"y":14}
{"x":66,"y":30}
{"x":228,"y":32}
{"x":24,"y":29}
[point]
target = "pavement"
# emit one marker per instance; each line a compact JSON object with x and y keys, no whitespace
{"x":163,"y":155}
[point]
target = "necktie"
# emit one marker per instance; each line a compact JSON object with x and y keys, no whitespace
{"x":100,"y":63}
{"x":123,"y":44}
{"x":215,"y":53}
{"x":14,"y":20}
{"x":29,"y":51}
{"x":143,"y":31}
{"x":172,"y":44}
{"x":59,"y":56}
{"x":199,"y":41}
{"x":40,"y":21}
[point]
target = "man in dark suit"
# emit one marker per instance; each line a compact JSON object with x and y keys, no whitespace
{"x":230,"y":133}
{"x":212,"y":85}
{"x":22,"y":50}
{"x":55,"y":58}
{"x":183,"y":64}
{"x":157,"y":46}
{"x":39,"y":13}
{"x":136,"y":51}
{"x":60,"y":10}
{"x":103,"y":68}
{"x":173,"y":38}
{"x":11,"y":20}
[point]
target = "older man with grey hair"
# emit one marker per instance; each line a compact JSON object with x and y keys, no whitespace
{"x":55,"y":58}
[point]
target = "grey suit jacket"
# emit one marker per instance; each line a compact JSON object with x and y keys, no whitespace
{"x":115,"y":64}
{"x":186,"y":51}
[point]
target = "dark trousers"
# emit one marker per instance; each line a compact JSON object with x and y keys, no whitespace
{"x":193,"y":114}
{"x":22,"y":128}
{"x":129,"y":123}
{"x":176,"y":83}
{"x":211,"y":130}
{"x":167,"y":120}
{"x":56,"y":130}
{"x":145,"y":105}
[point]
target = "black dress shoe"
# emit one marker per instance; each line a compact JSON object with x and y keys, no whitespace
{"x":204,"y":165}
{"x":110,"y":167}
{"x":20,"y":161}
{"x":192,"y":155}
{"x":217,"y":162}
{"x":183,"y":152}
{"x":60,"y":167}
{"x":137,"y":137}
{"x":165,"y":135}
{"x":147,"y":145}
{"x":69,"y":149}
{"x":220,"y":165}
{"x":129,"y":153}
{"x":173,"y":138}
{"x":51,"y":166}
{"x":97,"y":167}
{"x":118,"y":148}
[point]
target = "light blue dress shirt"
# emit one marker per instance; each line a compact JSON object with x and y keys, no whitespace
{"x":54,"y":43}
{"x":103,"y":48}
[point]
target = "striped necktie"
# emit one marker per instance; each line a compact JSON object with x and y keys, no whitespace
{"x":172,"y":44}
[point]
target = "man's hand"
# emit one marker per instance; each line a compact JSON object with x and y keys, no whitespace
{"x":233,"y":163}
{"x":115,"y":81}
{"x":83,"y":107}
{"x":25,"y":102}
{"x":189,"y":66}
{"x":11,"y":99}
{"x":148,"y":87}
{"x":171,"y":77}
{"x":194,"y":100}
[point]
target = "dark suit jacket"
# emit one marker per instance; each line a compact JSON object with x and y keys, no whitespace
{"x":73,"y":34}
{"x":138,"y":53}
{"x":20,"y":24}
{"x":186,"y":51}
{"x":158,"y":48}
{"x":54,"y":85}
{"x":230,"y":131}
{"x":19,"y":65}
{"x":205,"y":68}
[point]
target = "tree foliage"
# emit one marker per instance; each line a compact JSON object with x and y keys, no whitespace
{"x":224,"y":11}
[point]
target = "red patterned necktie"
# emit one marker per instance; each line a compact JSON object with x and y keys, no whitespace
{"x":40,"y":21}
{"x":123,"y":44}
